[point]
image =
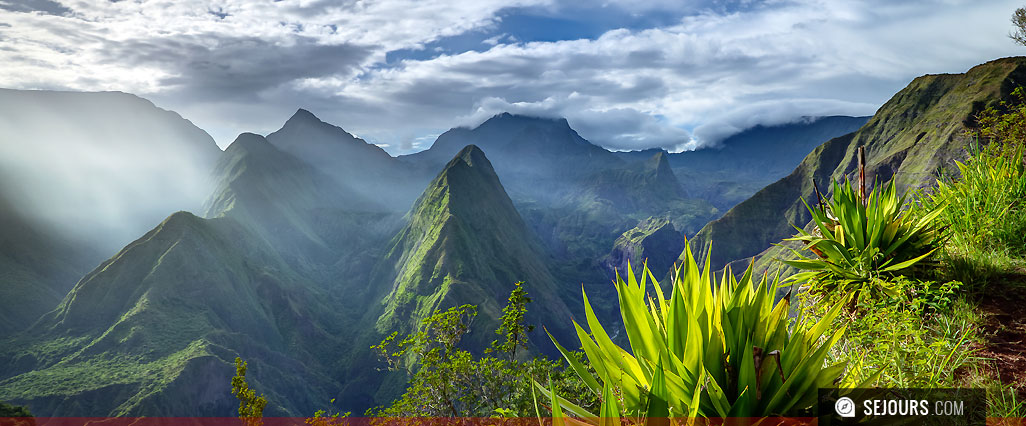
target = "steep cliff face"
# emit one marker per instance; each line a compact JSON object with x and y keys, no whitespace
{"x":919,"y":131}
{"x":654,"y":242}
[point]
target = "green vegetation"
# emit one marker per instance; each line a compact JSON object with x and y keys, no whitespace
{"x":654,"y":242}
{"x":861,"y":239}
{"x":909,"y":140}
{"x":712,"y":350}
{"x":8,"y":410}
{"x":915,"y":337}
{"x":13,"y":415}
{"x":986,"y":221}
{"x":933,"y":327}
{"x":448,"y":381}
{"x":985,"y":218}
{"x":463,"y":240}
{"x":251,"y":406}
{"x":324,"y":418}
{"x":914,"y":333}
{"x":512,"y":329}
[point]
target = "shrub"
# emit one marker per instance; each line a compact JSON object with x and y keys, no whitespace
{"x":251,"y":406}
{"x":447,"y":381}
{"x":984,"y":204}
{"x":8,"y":410}
{"x":709,"y":350}
{"x":858,"y":241}
{"x":917,"y":338}
{"x":1004,"y":126}
{"x":985,"y":216}
{"x":13,"y":415}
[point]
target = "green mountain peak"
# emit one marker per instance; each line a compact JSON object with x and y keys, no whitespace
{"x":473,"y":176}
{"x":470,"y":155}
{"x":464,"y":243}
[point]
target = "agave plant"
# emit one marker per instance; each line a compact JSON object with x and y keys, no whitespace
{"x":708,"y":351}
{"x":858,"y":240}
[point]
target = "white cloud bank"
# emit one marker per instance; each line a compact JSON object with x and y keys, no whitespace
{"x":233,"y":66}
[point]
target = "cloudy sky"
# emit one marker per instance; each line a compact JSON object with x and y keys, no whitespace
{"x":627,"y":74}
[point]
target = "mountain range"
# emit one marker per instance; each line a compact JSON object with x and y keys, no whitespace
{"x":309,"y":245}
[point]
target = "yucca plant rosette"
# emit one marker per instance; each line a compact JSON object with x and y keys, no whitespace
{"x":858,"y":240}
{"x":709,"y":350}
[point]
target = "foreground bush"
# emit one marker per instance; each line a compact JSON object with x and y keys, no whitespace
{"x":711,"y":350}
{"x":986,"y":217}
{"x":447,"y":381}
{"x":985,"y":203}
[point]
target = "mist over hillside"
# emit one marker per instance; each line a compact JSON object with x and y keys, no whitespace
{"x":99,"y":167}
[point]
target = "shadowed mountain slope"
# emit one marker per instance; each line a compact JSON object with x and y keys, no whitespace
{"x":356,"y":164}
{"x":654,"y":242}
{"x":37,"y":268}
{"x":648,"y":184}
{"x":742,"y":164}
{"x":288,"y":201}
